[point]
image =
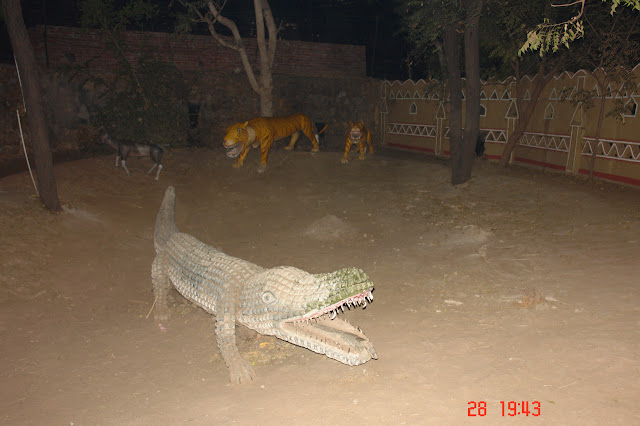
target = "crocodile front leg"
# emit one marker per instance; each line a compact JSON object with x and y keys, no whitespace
{"x":240,"y":370}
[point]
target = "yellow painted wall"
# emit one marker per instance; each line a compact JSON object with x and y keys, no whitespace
{"x":560,"y":134}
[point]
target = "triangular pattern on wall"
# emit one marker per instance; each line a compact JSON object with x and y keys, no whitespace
{"x":505,"y":96}
{"x":413,"y":129}
{"x":494,"y":96}
{"x":416,"y":95}
{"x":384,"y":109}
{"x":483,"y":95}
{"x":441,"y":113}
{"x":495,"y":136}
{"x":553,"y":96}
{"x":527,"y":95}
{"x":407,"y":95}
{"x":622,"y":92}
{"x":425,"y":95}
{"x":596,"y":90}
{"x":545,"y":141}
{"x":609,"y":92}
{"x":512,"y":112}
{"x":573,"y":93}
{"x":435,"y":96}
{"x":618,"y":150}
{"x":392,"y":95}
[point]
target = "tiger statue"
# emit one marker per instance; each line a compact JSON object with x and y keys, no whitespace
{"x":262,"y":131}
{"x":361,"y":136}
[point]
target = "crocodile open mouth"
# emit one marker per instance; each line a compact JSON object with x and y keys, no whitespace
{"x":320,"y":331}
{"x":234,"y":150}
{"x":353,"y":301}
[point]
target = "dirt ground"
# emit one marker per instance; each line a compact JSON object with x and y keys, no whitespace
{"x":517,"y":286}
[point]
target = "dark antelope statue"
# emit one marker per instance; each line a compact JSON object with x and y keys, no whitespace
{"x":125,"y":150}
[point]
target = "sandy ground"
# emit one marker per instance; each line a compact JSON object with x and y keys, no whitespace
{"x":517,"y":286}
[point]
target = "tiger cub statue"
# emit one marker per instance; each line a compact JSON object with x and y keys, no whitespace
{"x":361,"y":136}
{"x":262,"y":131}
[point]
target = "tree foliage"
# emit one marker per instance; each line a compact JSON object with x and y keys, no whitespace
{"x":549,"y":36}
{"x":424,"y":23}
{"x":143,"y":100}
{"x":505,"y":25}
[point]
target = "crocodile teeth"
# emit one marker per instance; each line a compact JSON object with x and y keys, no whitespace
{"x":334,"y":315}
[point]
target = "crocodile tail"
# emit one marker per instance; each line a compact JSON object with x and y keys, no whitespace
{"x":165,"y":221}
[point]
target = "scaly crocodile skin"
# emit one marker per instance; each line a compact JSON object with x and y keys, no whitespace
{"x":284,"y":302}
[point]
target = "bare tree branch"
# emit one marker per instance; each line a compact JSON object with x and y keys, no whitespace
{"x":266,"y":42}
{"x":273,"y":31}
{"x":238,"y":46}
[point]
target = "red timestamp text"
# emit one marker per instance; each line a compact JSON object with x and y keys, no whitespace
{"x":509,"y":408}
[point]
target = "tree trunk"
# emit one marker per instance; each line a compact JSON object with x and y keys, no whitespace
{"x":472,"y":108}
{"x":451,"y":44}
{"x":441,"y":59}
{"x":36,"y":121}
{"x":266,"y":49}
{"x":266,"y":46}
{"x":523,"y":121}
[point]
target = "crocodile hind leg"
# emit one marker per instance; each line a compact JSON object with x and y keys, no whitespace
{"x":161,"y":287}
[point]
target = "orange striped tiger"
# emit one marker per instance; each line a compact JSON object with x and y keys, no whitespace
{"x":361,"y":136}
{"x":263,"y":131}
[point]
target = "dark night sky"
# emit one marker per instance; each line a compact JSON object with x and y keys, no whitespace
{"x":327,"y":21}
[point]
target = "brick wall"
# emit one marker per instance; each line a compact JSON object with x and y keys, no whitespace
{"x":66,"y":46}
{"x":325,"y":81}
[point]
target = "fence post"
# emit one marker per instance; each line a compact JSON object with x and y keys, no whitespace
{"x":575,"y":142}
{"x":441,"y":115}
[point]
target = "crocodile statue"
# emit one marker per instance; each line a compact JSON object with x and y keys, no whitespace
{"x":284,"y":302}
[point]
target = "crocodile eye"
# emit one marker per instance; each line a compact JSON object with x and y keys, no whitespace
{"x":268,"y":297}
